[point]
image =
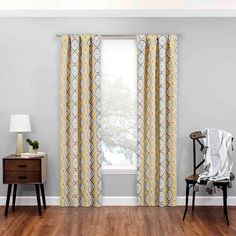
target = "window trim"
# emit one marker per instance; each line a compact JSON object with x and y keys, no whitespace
{"x":116,"y":170}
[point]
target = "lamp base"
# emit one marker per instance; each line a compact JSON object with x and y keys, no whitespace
{"x":19,"y":144}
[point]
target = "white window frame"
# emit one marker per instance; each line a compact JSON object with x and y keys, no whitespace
{"x":113,"y":170}
{"x":119,"y":170}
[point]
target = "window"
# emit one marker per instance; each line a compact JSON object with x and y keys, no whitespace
{"x":119,"y":102}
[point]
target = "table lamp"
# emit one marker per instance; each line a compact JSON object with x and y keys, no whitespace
{"x":19,"y":124}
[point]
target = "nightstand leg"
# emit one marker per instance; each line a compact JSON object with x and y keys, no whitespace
{"x":8,"y":198}
{"x":14,"y":197}
{"x":38,"y":198}
{"x":43,"y":195}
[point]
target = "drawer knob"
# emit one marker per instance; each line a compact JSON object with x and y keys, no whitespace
{"x":22,"y":177}
{"x":22,"y":166}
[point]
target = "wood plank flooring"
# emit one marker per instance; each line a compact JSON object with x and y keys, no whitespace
{"x":117,"y":221}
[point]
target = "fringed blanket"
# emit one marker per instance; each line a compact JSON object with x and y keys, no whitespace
{"x":217,"y":152}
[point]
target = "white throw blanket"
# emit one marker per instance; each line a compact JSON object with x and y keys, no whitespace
{"x":218,"y":155}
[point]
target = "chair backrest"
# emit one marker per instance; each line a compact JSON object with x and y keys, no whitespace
{"x":197,"y":136}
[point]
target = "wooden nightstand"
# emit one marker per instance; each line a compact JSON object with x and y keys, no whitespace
{"x":17,"y":170}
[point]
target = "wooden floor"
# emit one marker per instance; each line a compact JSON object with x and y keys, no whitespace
{"x":121,"y":221}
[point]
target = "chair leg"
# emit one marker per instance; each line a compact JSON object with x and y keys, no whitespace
{"x":225,"y":203}
{"x":186,"y":203}
{"x":8,"y":198}
{"x":193,"y":200}
{"x":14,"y":197}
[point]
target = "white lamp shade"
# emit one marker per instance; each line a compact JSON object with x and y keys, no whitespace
{"x":20,"y":123}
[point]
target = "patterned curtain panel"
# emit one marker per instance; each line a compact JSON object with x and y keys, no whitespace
{"x":156,"y":178}
{"x":80,"y":134}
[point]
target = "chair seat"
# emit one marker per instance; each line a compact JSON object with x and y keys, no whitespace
{"x":192,"y":179}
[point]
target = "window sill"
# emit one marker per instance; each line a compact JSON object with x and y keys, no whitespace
{"x":108,"y":170}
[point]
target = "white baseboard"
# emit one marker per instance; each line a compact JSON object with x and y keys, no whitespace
{"x":119,"y":201}
{"x":124,"y":201}
{"x":207,"y":201}
{"x":55,"y":201}
{"x":199,"y":201}
{"x":31,"y":201}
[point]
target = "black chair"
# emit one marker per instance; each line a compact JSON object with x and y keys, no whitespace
{"x":192,"y":179}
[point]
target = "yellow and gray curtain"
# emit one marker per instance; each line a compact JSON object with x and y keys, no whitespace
{"x":156,"y":150}
{"x":80,"y":134}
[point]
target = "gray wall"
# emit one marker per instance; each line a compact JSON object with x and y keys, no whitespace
{"x":29,"y":82}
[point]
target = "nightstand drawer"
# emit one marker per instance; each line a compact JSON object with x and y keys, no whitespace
{"x":22,"y":165}
{"x":21,"y":177}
